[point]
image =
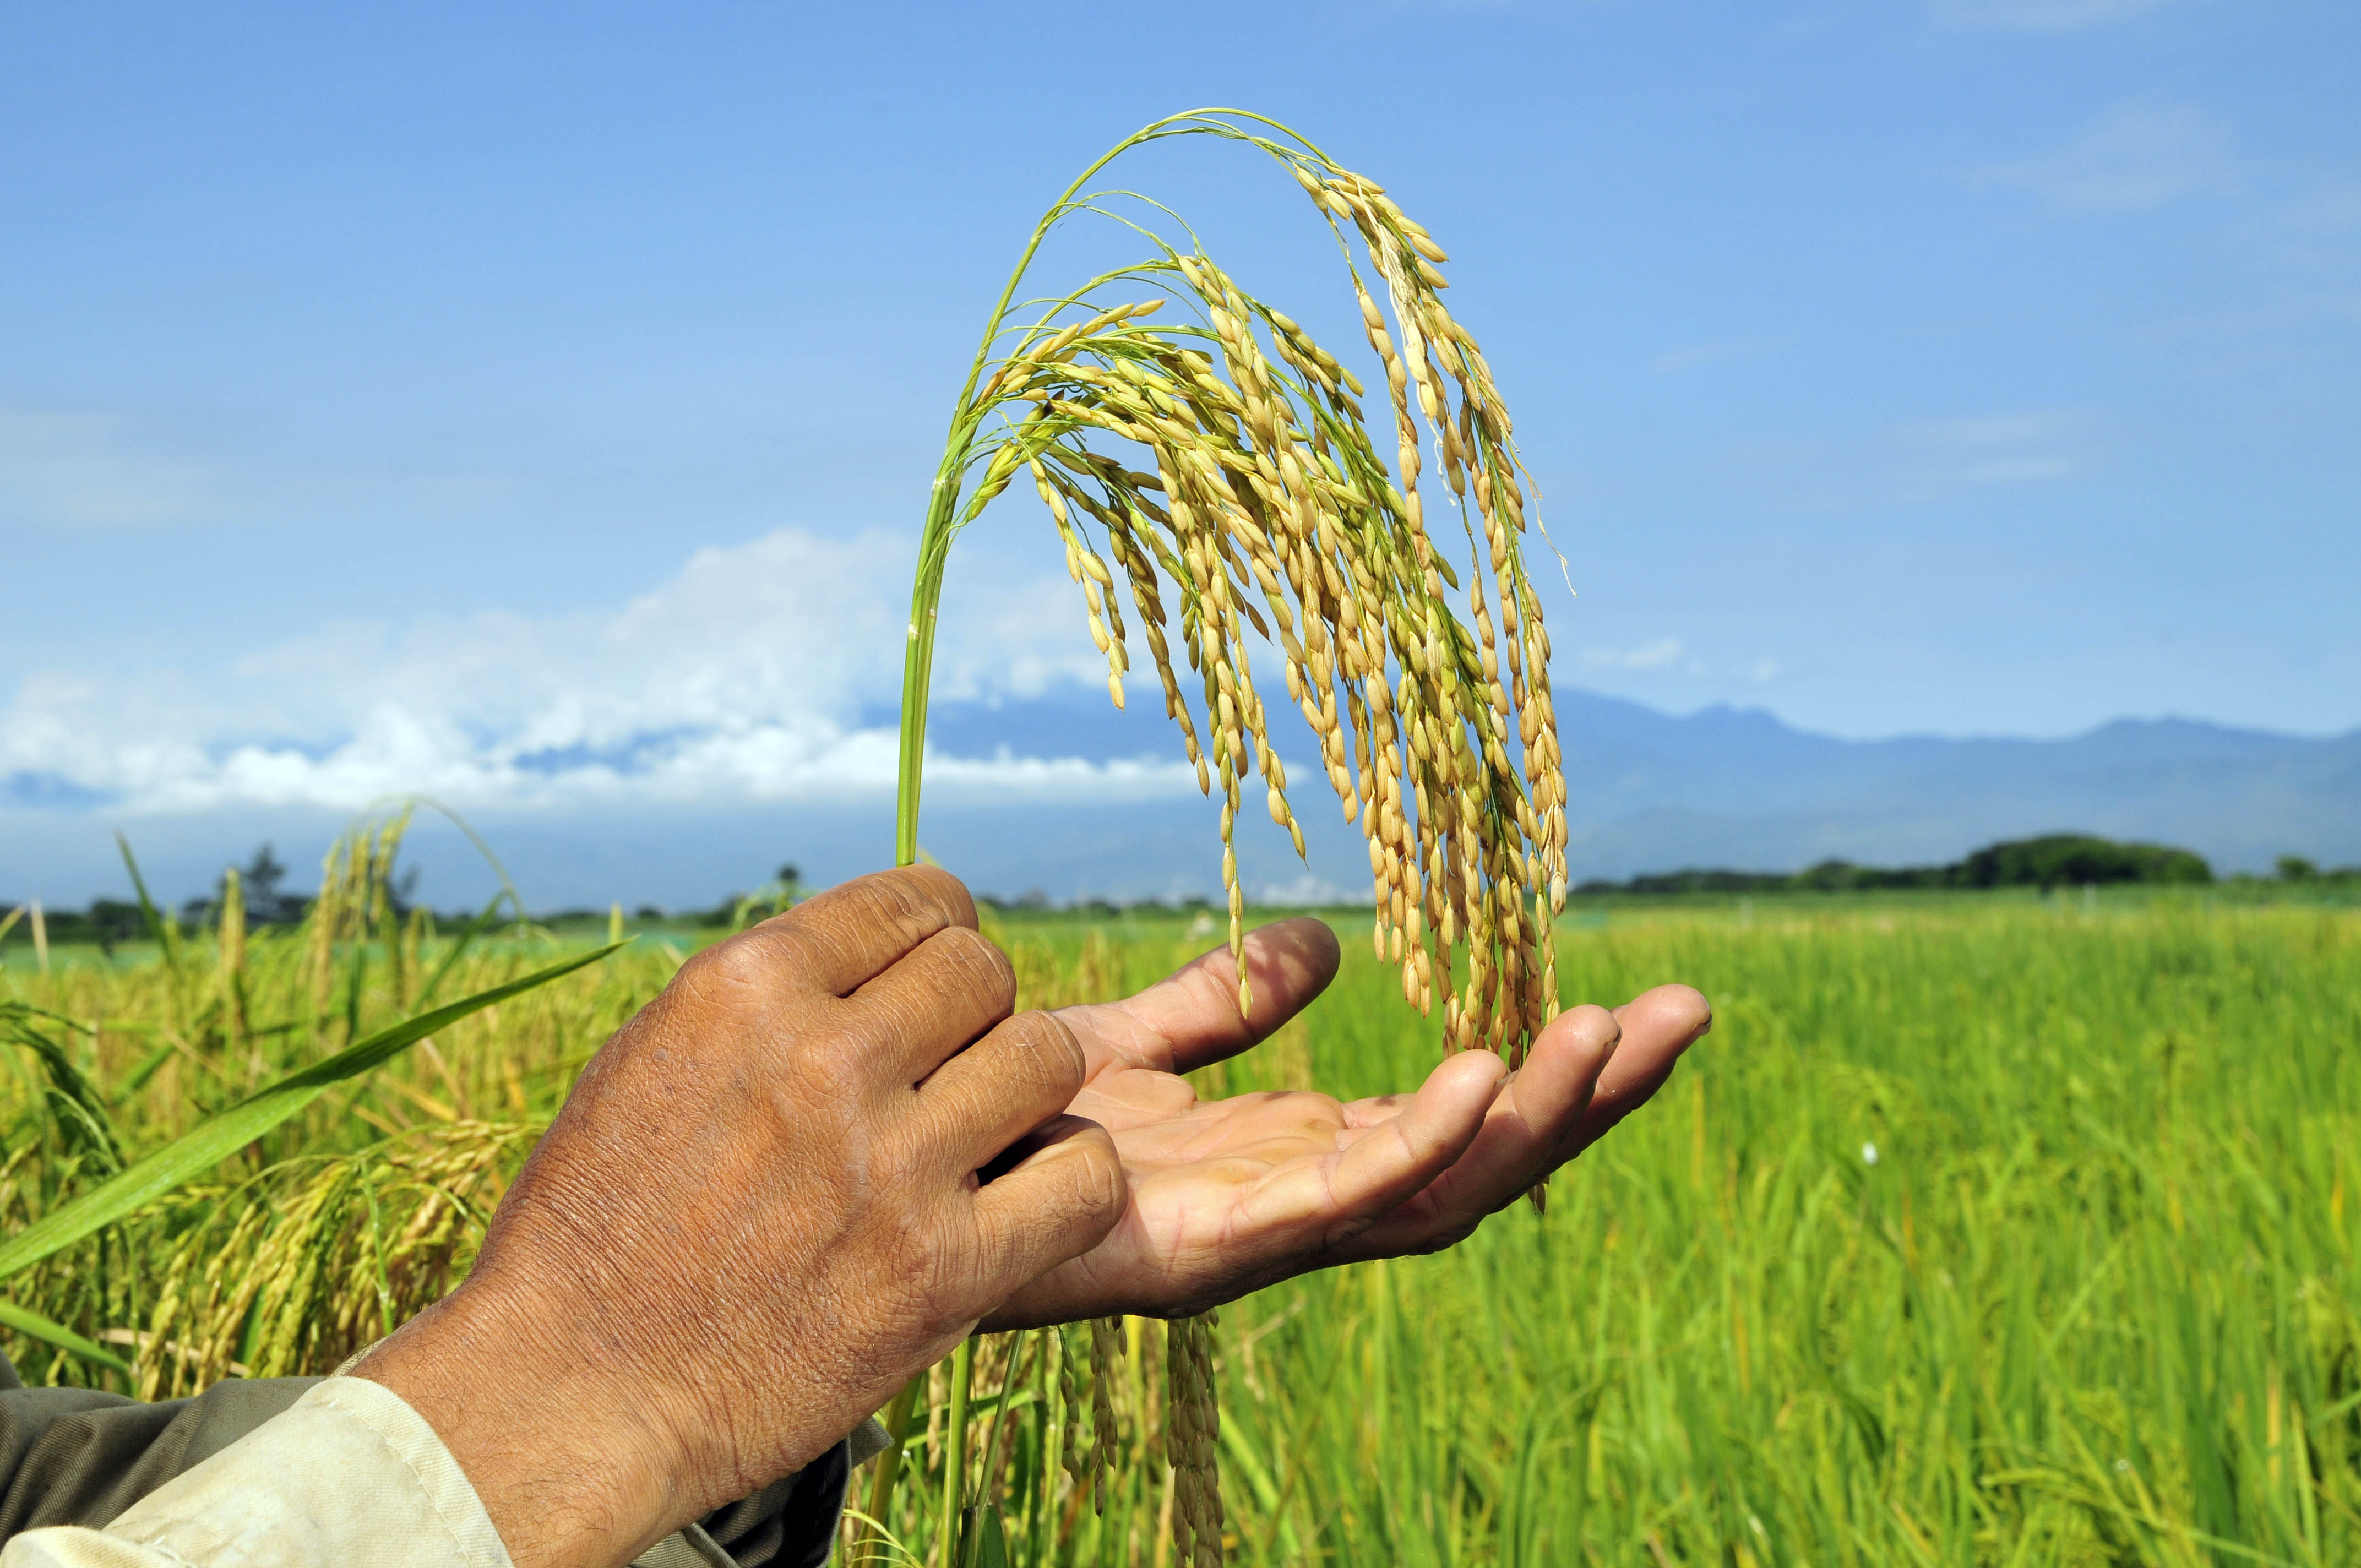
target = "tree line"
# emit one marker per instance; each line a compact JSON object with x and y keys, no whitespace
{"x":2047,"y":862}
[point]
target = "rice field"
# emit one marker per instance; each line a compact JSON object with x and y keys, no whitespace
{"x":1981,"y":1230}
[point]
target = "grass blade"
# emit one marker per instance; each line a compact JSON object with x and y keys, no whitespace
{"x":65,"y":1080}
{"x":476,"y":929}
{"x":167,"y":935}
{"x":32,"y":1325}
{"x":207,"y":1145}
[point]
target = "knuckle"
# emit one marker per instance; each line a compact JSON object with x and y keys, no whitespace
{"x":1450,"y":1236}
{"x":747,"y":966}
{"x":830,"y":1069}
{"x":1099,"y":1186}
{"x":1044,"y":1052}
{"x":978,"y":960}
{"x":936,"y":890}
{"x":913,"y":901}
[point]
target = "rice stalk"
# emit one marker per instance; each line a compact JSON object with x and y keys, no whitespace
{"x":1192,"y":1434}
{"x":1221,"y":470}
{"x":292,"y":1272}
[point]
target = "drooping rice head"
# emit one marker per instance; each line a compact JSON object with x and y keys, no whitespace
{"x":1271,"y":509}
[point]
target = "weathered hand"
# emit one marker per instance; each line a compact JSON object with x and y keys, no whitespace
{"x":757,"y":1215}
{"x":1230,"y":1195}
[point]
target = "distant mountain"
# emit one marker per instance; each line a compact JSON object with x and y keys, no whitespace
{"x":1725,"y":787}
{"x":1650,"y":792}
{"x":1736,"y":787}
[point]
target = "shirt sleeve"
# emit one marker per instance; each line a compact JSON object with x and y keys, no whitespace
{"x":82,"y":1456}
{"x":349,"y":1474}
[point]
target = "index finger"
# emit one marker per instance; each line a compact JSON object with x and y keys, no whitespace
{"x":843,"y":938}
{"x":1191,"y":1018}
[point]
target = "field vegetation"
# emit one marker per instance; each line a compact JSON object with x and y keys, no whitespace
{"x":1986,"y":1228}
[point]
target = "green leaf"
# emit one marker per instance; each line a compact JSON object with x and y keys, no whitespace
{"x":167,"y":933}
{"x":65,"y":1081}
{"x":459,"y":949}
{"x":982,"y":1542}
{"x":207,"y":1145}
{"x":33,"y":1326}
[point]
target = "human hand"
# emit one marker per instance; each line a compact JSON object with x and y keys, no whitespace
{"x":1229,"y":1195}
{"x":757,"y":1215}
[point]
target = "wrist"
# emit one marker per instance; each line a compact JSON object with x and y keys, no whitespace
{"x":570,"y":1459}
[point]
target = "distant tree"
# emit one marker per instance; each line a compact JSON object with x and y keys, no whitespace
{"x":2044,"y":862}
{"x":268,"y":902}
{"x":112,"y":921}
{"x":265,"y":900}
{"x":2295,"y":867}
{"x":2073,"y":858}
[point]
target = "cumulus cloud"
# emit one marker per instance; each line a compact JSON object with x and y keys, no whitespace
{"x":744,"y":678}
{"x":2136,"y":156}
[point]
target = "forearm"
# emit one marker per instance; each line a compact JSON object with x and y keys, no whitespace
{"x":564,"y":1459}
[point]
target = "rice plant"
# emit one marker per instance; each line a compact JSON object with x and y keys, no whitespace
{"x":2096,"y":1299}
{"x":1268,"y":489}
{"x":1223,"y":464}
{"x":214,"y":1084}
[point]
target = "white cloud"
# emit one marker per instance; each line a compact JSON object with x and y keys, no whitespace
{"x":1922,"y":461}
{"x":2135,"y":158}
{"x":75,"y":466}
{"x":741,"y":679}
{"x":1661,"y":654}
{"x":1672,"y":656}
{"x":1306,"y":890}
{"x":1947,"y":455}
{"x":2038,"y":16}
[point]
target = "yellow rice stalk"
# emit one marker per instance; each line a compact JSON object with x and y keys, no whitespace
{"x":317,"y":1258}
{"x":1215,"y":466}
{"x":1220,"y":473}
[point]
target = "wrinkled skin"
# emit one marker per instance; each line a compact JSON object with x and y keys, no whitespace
{"x":760,"y":1211}
{"x":1230,"y":1195}
{"x":756,"y":1216}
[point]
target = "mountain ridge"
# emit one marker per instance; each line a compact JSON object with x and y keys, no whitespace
{"x":1740,"y":786}
{"x":1726,"y":787}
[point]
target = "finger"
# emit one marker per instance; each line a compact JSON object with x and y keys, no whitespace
{"x":931,"y":1004}
{"x":1528,"y":1131}
{"x":1014,"y":1079}
{"x":1658,"y":1027}
{"x":853,"y":932}
{"x":1191,"y":1018}
{"x":1056,"y":1203}
{"x":1338,"y":1199}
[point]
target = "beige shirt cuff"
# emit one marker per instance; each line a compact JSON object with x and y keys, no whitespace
{"x":349,"y":1475}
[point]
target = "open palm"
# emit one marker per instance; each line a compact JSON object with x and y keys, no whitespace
{"x":1229,"y":1195}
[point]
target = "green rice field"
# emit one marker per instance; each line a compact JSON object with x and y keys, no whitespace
{"x":1981,"y":1230}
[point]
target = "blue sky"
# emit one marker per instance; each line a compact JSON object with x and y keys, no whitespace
{"x":384,"y":389}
